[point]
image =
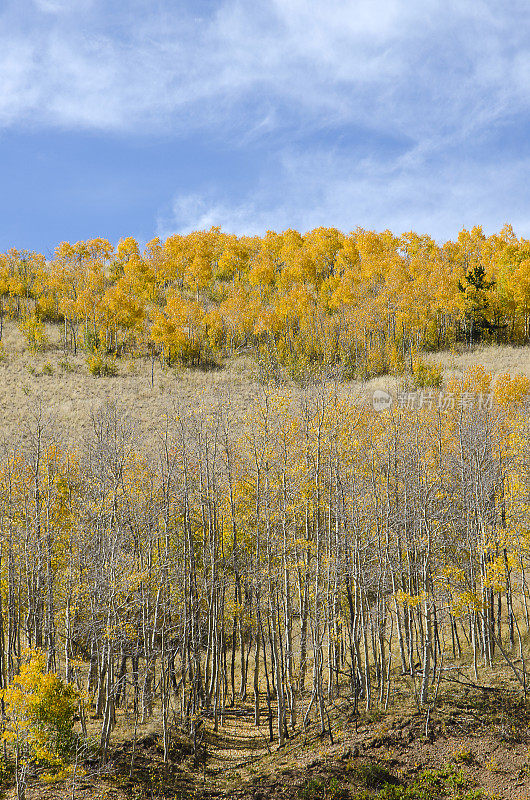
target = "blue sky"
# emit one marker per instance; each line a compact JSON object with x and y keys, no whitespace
{"x":150,"y":117}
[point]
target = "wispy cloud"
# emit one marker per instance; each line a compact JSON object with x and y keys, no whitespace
{"x":441,"y":76}
{"x":412,"y":62}
{"x":447,"y":77}
{"x":313,"y":189}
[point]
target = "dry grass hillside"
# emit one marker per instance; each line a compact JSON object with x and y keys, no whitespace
{"x":63,"y":388}
{"x":68,"y":394}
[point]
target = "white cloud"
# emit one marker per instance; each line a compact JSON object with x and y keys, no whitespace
{"x":192,"y":212}
{"x":439,"y":75}
{"x":322,"y":189}
{"x":414,"y":63}
{"x":52,"y":6}
{"x":18,"y":91}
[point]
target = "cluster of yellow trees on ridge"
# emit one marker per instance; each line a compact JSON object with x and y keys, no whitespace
{"x":362,"y":302}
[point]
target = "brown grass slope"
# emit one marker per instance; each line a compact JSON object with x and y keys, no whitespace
{"x":474,"y":746}
{"x":67,"y":394}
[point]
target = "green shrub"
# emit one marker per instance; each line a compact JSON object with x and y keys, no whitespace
{"x":40,"y":710}
{"x":323,"y":789}
{"x":431,"y":784}
{"x":371,"y":775}
{"x":92,"y":341}
{"x":424,"y":374}
{"x":33,"y":331}
{"x":463,"y":755}
{"x":100,"y":366}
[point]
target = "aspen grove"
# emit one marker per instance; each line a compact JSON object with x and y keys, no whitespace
{"x":361,"y":304}
{"x":316,"y":549}
{"x":319,"y":548}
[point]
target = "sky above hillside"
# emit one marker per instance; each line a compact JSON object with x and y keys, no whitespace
{"x":149,"y":117}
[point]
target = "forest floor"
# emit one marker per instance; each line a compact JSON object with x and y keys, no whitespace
{"x":476,"y":746}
